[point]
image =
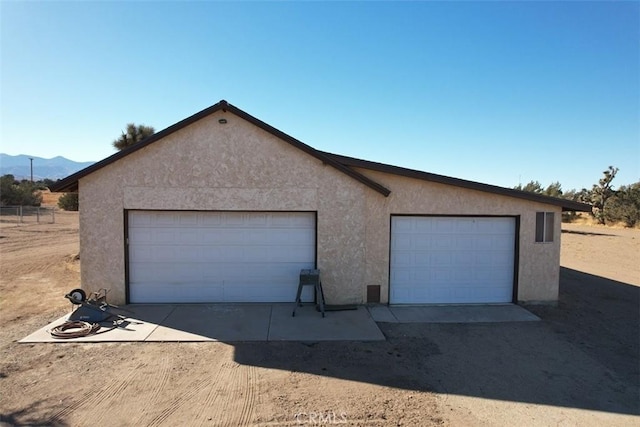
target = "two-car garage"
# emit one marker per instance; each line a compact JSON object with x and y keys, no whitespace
{"x":200,"y":256}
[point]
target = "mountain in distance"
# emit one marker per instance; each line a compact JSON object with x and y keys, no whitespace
{"x":20,"y":167}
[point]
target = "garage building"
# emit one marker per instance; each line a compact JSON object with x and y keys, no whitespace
{"x":222,"y":207}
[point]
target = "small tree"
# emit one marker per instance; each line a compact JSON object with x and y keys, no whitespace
{"x":602,"y":192}
{"x":14,"y":193}
{"x":68,"y":202}
{"x":554,"y":190}
{"x":133,"y":135}
{"x":530,"y":187}
{"x":625,"y":205}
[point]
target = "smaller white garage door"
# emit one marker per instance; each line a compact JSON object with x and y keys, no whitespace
{"x":451,"y":260}
{"x":177,"y":257}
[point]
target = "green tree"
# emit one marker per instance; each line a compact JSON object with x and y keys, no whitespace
{"x":601,"y":192}
{"x":582,"y":196}
{"x":554,"y":190}
{"x":134,"y":134}
{"x":531,"y":187}
{"x":14,"y":193}
{"x":46,"y":183}
{"x":69,"y":202}
{"x":625,"y":205}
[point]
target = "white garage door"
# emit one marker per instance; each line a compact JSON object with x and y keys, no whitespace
{"x":218,"y":256}
{"x":449,"y":260}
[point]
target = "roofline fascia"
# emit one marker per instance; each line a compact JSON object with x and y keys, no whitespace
{"x":71,"y":183}
{"x":567,"y":205}
{"x":320,"y":155}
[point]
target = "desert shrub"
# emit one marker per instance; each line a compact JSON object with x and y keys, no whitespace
{"x":15,"y":193}
{"x":625,"y":205}
{"x":68,"y":202}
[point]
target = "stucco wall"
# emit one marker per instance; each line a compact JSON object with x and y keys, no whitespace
{"x":538,"y":262}
{"x":232,"y":166}
{"x":237,"y":166}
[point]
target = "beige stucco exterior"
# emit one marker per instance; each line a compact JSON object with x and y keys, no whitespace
{"x":239,"y":166}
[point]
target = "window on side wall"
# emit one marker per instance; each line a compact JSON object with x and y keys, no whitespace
{"x":544,"y":226}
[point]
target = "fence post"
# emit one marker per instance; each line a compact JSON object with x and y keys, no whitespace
{"x":38,"y":215}
{"x":20,"y":213}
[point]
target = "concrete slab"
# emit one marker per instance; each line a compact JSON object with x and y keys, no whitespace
{"x":381,"y":313}
{"x":215,"y":322}
{"x":273,"y":322}
{"x":462,"y":313}
{"x":309,"y":325}
{"x":140,"y":323}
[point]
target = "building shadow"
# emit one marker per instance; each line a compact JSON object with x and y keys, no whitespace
{"x":583,"y":354}
{"x":25,"y":417}
{"x":587,"y":233}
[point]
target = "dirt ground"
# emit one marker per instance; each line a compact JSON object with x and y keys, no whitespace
{"x":578,"y":366}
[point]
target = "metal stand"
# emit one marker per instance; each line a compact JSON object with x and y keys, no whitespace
{"x":310,"y":278}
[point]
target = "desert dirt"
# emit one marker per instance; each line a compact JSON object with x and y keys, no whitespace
{"x":578,"y":366}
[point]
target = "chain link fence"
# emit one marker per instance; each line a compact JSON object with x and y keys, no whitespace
{"x":27,"y":215}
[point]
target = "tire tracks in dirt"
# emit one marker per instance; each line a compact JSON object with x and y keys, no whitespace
{"x":231,"y":398}
{"x":184,"y":399}
{"x":225,"y":395}
{"x":250,"y":396}
{"x":92,"y":404}
{"x":158,"y":385}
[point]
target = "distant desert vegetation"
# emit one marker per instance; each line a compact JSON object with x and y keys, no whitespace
{"x":50,"y":199}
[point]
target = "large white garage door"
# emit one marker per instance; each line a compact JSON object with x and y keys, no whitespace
{"x":449,"y":260}
{"x":218,"y":256}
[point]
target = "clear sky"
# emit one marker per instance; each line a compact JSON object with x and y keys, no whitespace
{"x":496,"y":92}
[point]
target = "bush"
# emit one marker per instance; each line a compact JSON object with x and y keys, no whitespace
{"x":68,"y":202}
{"x":625,"y":205}
{"x":14,"y":193}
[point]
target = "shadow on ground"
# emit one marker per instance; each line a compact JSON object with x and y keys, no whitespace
{"x":583,"y":354}
{"x":587,"y":233}
{"x":24,"y":417}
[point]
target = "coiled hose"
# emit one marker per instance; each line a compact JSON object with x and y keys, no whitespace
{"x":73,"y":329}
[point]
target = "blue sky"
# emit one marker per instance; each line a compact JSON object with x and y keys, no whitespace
{"x":496,"y":92}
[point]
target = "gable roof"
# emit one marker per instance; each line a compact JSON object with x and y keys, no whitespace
{"x":343,"y":164}
{"x":567,"y":205}
{"x":70,"y":183}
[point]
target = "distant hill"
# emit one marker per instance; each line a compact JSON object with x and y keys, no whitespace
{"x":56,"y":168}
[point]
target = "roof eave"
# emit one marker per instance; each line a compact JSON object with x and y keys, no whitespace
{"x":567,"y":205}
{"x":320,"y":155}
{"x":70,"y":183}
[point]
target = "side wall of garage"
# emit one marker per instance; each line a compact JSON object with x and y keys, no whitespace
{"x":209,"y":166}
{"x":538,"y":263}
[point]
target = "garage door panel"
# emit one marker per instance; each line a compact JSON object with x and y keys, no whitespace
{"x":155,"y":272}
{"x":451,"y":259}
{"x":160,"y":292}
{"x":441,"y":242}
{"x":504,"y":243}
{"x":464,"y":225}
{"x":462,"y":275}
{"x":218,"y":256}
{"x":440,"y":225}
{"x":439,"y":275}
{"x":403,"y":259}
{"x":438,"y":259}
{"x":464,"y":258}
